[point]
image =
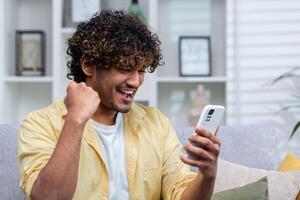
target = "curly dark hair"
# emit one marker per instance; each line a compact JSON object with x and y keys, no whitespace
{"x":113,"y":39}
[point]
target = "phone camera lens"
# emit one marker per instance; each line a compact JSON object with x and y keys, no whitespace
{"x":210,"y":112}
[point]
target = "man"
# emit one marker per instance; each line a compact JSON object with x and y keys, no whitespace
{"x":97,"y":143}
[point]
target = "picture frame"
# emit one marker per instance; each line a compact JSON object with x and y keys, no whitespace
{"x":77,"y":11}
{"x":30,"y":53}
{"x":194,"y":56}
{"x":83,"y":10}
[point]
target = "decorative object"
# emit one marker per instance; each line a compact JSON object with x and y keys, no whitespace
{"x":281,"y":185}
{"x":200,"y":98}
{"x":176,"y":102}
{"x":67,"y":14}
{"x":135,"y":10}
{"x":257,"y":190}
{"x":30,"y":53}
{"x":83,"y":10}
{"x":194,"y":56}
{"x":290,"y":163}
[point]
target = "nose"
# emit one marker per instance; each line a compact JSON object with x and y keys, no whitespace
{"x":135,"y":79}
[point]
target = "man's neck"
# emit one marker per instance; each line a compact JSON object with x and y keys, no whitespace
{"x":105,"y":116}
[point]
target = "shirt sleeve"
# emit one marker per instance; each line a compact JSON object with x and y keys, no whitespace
{"x":176,"y":174}
{"x":36,"y":143}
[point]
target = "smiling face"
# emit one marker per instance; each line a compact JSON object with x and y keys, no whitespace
{"x":116,"y":87}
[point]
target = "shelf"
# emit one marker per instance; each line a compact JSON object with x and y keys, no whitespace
{"x":212,"y":79}
{"x":22,"y":79}
{"x":22,"y":98}
{"x":27,"y":93}
{"x":176,"y":98}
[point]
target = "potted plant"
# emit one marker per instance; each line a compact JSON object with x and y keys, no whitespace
{"x":291,"y":74}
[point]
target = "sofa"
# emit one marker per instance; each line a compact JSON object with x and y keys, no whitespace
{"x":9,"y":174}
{"x":249,"y":145}
{"x":250,"y":155}
{"x":244,"y":149}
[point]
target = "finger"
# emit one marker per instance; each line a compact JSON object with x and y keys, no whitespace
{"x":69,"y":85}
{"x":82,"y":83}
{"x":217,"y":140}
{"x":204,"y":133}
{"x":199,"y":152}
{"x":92,"y":89}
{"x":205,"y":143}
{"x":195,"y":163}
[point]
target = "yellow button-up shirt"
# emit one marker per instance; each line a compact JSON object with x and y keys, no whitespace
{"x":152,"y":152}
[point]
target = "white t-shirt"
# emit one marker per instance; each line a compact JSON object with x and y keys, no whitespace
{"x":113,"y":148}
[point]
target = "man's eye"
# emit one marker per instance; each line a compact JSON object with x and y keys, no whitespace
{"x":124,"y":70}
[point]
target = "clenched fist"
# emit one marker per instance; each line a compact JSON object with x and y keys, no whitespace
{"x":81,"y":101}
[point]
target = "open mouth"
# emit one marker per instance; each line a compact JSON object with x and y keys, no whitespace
{"x":127,"y":94}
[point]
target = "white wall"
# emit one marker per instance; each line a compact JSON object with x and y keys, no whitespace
{"x":2,"y":62}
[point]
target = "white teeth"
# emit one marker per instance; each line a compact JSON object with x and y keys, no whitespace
{"x":128,"y":91}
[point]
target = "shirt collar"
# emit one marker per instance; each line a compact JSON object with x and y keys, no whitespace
{"x":132,"y":121}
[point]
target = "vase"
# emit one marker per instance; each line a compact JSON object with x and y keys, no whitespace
{"x":135,"y":10}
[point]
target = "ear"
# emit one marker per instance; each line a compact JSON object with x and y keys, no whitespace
{"x":87,"y":69}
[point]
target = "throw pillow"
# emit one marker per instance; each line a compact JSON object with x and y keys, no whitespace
{"x":257,"y":190}
{"x":290,"y":163}
{"x":281,"y":185}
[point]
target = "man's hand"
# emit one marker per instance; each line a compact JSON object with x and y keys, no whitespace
{"x":58,"y":179}
{"x":81,"y":101}
{"x":205,"y":149}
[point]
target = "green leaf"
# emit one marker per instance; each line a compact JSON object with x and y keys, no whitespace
{"x":295,"y":129}
{"x":288,"y":107}
{"x":287,"y":74}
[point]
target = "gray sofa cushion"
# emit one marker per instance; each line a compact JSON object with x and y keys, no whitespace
{"x":252,"y":145}
{"x":9,"y":174}
{"x":249,"y":145}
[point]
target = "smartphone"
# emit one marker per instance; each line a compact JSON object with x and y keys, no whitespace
{"x":211,"y":118}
